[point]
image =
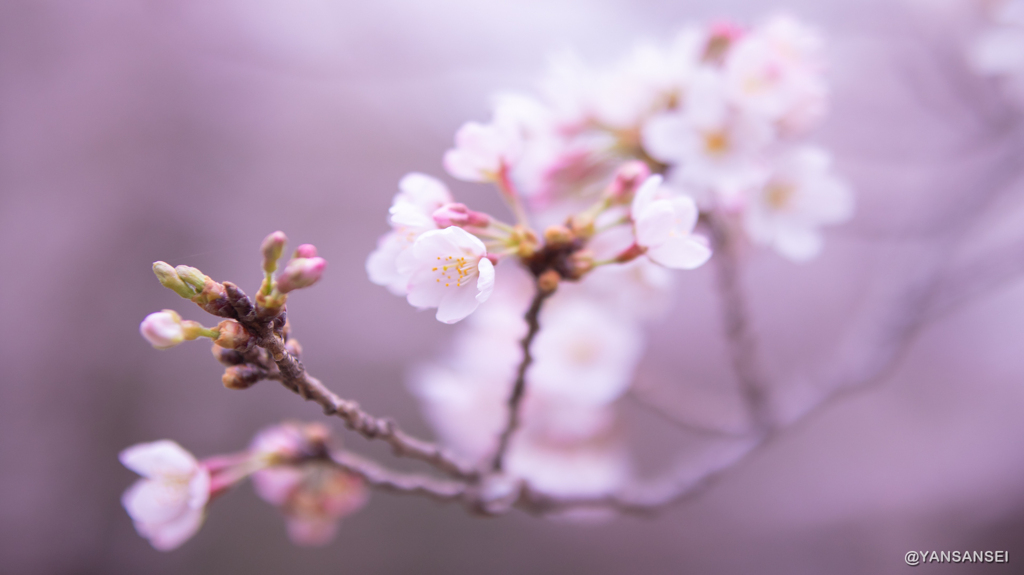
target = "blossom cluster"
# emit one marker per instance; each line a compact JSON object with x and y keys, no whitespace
{"x":629,"y":171}
{"x":998,"y":50}
{"x":287,"y":466}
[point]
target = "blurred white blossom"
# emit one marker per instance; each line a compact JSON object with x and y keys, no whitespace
{"x":169,"y":502}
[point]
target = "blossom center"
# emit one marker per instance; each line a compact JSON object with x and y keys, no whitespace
{"x":455,"y":271}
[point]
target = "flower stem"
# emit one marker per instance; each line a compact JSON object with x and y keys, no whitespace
{"x":519,"y":388}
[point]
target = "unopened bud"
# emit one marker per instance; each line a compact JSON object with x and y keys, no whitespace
{"x":240,"y":376}
{"x":169,"y":279}
{"x":227,"y":357}
{"x":581,"y":262}
{"x":525,"y":241}
{"x":627,"y":179}
{"x":305,"y":251}
{"x":272,"y":248}
{"x":162,"y":329}
{"x":455,"y":214}
{"x":232,"y":335}
{"x":301,"y":273}
{"x":548,"y":281}
{"x":316,"y":434}
{"x":558,"y":236}
{"x":192,"y":276}
{"x":582,"y":225}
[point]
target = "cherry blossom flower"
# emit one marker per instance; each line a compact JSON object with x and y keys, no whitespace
{"x":584,"y":352}
{"x":448,"y":269}
{"x":163,"y":329}
{"x":313,"y":497}
{"x":800,"y":196}
{"x":664,"y":227}
{"x":482,"y":151}
{"x":411,"y":215}
{"x":775,"y":73}
{"x":168,"y":504}
{"x":591,"y":468}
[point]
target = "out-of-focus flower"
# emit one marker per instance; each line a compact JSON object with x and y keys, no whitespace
{"x":482,"y":151}
{"x":801,"y":195}
{"x":312,"y":496}
{"x":168,"y":504}
{"x":301,"y":273}
{"x":448,"y":269}
{"x":592,"y":468}
{"x":775,"y":73}
{"x":411,"y":212}
{"x":584,"y":353}
{"x":664,"y":227}
{"x":163,"y":329}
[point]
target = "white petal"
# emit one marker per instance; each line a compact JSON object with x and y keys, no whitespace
{"x":645,"y":193}
{"x":382,"y":264}
{"x":424,"y":191}
{"x":798,"y":244}
{"x":485,"y":285}
{"x":170,"y":535}
{"x":159,"y":458}
{"x":458,"y":303}
{"x":665,"y":136}
{"x":655,"y":223}
{"x":684,"y":253}
{"x":151,"y":501}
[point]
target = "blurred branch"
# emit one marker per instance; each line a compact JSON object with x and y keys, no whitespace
{"x":976,"y":277}
{"x":657,"y":402}
{"x":381,"y":478}
{"x":742,"y":343}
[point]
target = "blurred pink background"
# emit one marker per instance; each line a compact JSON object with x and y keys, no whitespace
{"x":186,"y":131}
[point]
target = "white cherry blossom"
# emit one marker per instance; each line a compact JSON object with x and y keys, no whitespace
{"x":411,"y":215}
{"x":482,"y":151}
{"x":168,"y":504}
{"x":448,"y":269}
{"x":584,"y":353}
{"x":775,"y":73}
{"x":801,"y":195}
{"x":664,"y":227}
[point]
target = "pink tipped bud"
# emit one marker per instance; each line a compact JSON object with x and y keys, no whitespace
{"x":162,"y":329}
{"x":272,"y":248}
{"x":305,"y":251}
{"x":455,"y":214}
{"x":301,"y":273}
{"x":627,"y":179}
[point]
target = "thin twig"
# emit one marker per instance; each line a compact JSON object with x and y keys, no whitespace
{"x":294,"y":376}
{"x":382,"y":478}
{"x":742,"y":343}
{"x":519,"y":388}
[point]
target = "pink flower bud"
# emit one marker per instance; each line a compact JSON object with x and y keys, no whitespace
{"x":305,"y":251}
{"x":162,"y":329}
{"x":455,"y":214}
{"x":301,"y":273}
{"x":627,"y":179}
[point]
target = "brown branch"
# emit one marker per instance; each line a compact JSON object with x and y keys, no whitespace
{"x":519,"y":388}
{"x":379,"y":477}
{"x":742,"y":343}
{"x":293,"y":375}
